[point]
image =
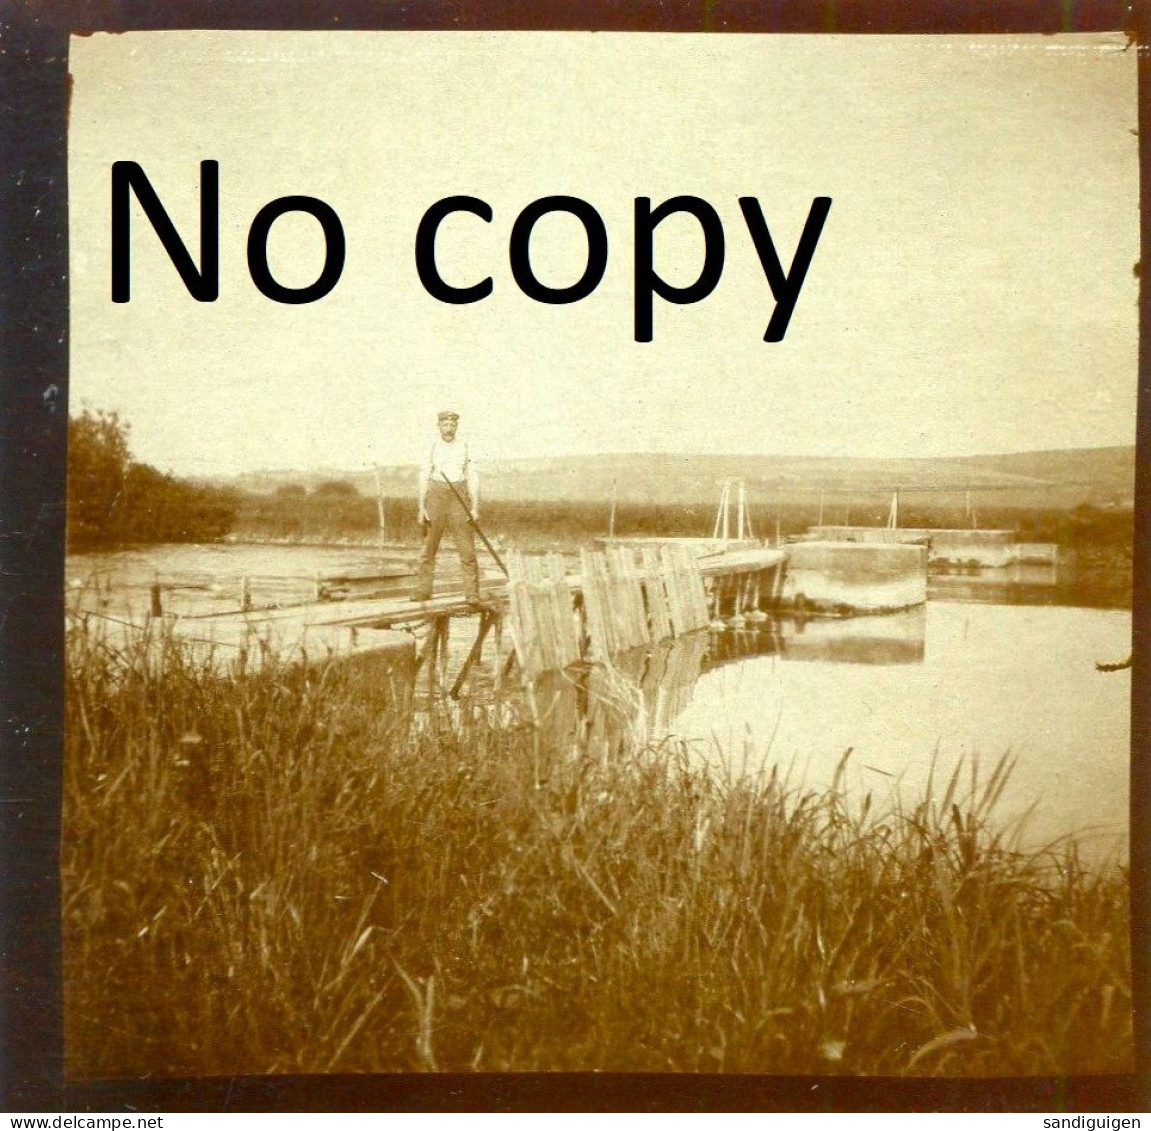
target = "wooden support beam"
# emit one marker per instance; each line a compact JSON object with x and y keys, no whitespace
{"x":509,"y":664}
{"x":486,"y":622}
{"x":445,"y":633}
{"x":431,"y":653}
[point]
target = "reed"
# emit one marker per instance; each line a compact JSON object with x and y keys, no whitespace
{"x":285,"y":871}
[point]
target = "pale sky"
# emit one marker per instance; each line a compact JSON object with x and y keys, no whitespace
{"x":972,"y":291}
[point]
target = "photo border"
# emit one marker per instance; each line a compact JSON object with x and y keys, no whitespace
{"x":34,"y":324}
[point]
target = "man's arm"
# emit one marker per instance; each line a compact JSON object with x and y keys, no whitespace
{"x":422,"y":491}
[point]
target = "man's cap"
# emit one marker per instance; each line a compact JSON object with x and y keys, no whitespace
{"x":448,"y":415}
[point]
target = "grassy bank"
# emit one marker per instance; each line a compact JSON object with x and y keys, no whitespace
{"x":280,"y":873}
{"x":346,"y":514}
{"x":291,"y":516}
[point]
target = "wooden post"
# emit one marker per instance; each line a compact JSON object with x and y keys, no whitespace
{"x":509,"y":663}
{"x":431,"y":657}
{"x":444,"y":634}
{"x":486,"y":621}
{"x":611,"y":519}
{"x":698,"y":597}
{"x":245,"y":593}
{"x":157,"y":602}
{"x":380,"y":506}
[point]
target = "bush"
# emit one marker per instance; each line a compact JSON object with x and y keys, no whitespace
{"x":113,"y":500}
{"x":337,"y":489}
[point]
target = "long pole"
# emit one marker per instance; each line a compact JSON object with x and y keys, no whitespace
{"x":476,"y":525}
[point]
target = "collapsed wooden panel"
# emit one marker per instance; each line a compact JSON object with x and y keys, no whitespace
{"x":541,"y":614}
{"x":628,"y":598}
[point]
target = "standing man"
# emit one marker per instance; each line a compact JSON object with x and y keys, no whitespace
{"x":440,"y":510}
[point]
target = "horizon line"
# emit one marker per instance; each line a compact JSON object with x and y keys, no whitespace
{"x":489,"y":459}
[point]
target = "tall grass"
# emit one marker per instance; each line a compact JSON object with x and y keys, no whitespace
{"x":286,"y":871}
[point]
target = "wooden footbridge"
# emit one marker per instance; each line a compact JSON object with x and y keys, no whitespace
{"x":549,"y":613}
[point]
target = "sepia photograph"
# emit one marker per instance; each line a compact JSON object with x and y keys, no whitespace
{"x":599,"y":553}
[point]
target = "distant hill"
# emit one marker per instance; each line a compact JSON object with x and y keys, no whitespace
{"x":1062,"y":478}
{"x":1113,"y":467}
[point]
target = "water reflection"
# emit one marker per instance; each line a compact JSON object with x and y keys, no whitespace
{"x":991,"y":680}
{"x":645,"y":691}
{"x":1021,"y":583}
{"x":893,"y":638}
{"x":638,"y":698}
{"x":913,"y":695}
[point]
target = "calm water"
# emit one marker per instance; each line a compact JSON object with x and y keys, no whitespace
{"x":952,"y":681}
{"x":970,"y":676}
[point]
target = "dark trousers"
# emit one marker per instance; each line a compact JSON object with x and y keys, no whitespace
{"x":445,"y":513}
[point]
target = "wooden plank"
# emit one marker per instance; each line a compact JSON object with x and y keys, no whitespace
{"x":607,"y":603}
{"x":671,"y":587}
{"x":603,"y":592}
{"x":593,"y":608}
{"x":698,"y":593}
{"x":635,"y":582}
{"x":544,"y":625}
{"x":649,"y":596}
{"x":568,"y":631}
{"x":534,"y":662}
{"x":685,"y":565}
{"x":520,"y":616}
{"x":680,"y":558}
{"x":537,"y":642}
{"x":683,"y":577}
{"x":740,"y":561}
{"x":617,"y":638}
{"x":657,"y":596}
{"x":590,"y":611}
{"x":551,"y":610}
{"x":631,"y":598}
{"x":619,"y":611}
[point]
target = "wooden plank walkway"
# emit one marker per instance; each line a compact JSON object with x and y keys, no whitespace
{"x":616,"y":604}
{"x":741,"y":561}
{"x":619,"y":599}
{"x":388,"y":612}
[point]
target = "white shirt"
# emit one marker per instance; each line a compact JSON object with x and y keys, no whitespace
{"x":451,"y":460}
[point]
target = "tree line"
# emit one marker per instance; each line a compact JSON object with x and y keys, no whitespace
{"x":114,"y":500}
